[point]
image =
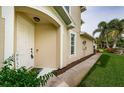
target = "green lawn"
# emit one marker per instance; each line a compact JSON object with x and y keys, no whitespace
{"x":107,"y":72}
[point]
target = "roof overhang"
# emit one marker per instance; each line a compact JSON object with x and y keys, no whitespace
{"x":86,"y":35}
{"x":65,"y":16}
{"x":83,"y":8}
{"x":82,"y":22}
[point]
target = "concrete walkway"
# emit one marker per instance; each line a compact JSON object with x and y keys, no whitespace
{"x":73,"y":76}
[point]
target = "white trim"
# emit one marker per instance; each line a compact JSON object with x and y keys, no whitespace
{"x":8,"y":14}
{"x":70,"y":12}
{"x":61,"y":45}
{"x":75,"y":48}
{"x":69,"y":15}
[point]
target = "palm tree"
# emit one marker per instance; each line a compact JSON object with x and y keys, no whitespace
{"x":103,"y":30}
{"x":116,"y":28}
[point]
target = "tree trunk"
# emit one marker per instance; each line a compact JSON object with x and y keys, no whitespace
{"x":101,"y":45}
{"x":107,"y":44}
{"x":115,"y":43}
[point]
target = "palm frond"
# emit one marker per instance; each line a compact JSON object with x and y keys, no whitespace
{"x":102,"y":24}
{"x":96,"y":31}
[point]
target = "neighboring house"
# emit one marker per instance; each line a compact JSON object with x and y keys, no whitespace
{"x":87,"y":43}
{"x":43,"y":37}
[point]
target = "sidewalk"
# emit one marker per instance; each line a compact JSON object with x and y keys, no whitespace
{"x":74,"y":75}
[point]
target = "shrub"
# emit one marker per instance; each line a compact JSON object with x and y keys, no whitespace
{"x":110,"y":50}
{"x":106,"y":50}
{"x":22,"y":77}
{"x":101,"y":50}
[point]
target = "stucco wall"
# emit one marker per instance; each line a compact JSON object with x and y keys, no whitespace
{"x":75,"y":14}
{"x":1,"y":41}
{"x":46,"y":43}
{"x":88,"y":47}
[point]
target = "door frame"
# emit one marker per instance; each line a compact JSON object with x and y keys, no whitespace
{"x":15,"y":39}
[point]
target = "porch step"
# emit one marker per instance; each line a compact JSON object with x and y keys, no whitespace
{"x":46,"y":71}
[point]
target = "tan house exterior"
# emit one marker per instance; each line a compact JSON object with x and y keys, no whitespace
{"x":2,"y":33}
{"x":43,"y":37}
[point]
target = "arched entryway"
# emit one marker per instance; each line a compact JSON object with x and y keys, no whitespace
{"x":37,"y":39}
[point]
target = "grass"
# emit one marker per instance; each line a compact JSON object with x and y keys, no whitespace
{"x":107,"y":72}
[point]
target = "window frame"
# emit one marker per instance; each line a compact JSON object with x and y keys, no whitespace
{"x":75,"y":38}
{"x":68,"y":10}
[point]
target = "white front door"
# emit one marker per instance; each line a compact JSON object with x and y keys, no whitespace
{"x":25,"y":42}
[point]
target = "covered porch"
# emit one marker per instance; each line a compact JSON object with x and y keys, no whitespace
{"x":36,"y":39}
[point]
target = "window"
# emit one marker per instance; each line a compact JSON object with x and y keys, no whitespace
{"x":73,"y":43}
{"x":67,"y":8}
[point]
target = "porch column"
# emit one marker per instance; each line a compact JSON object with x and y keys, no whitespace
{"x":61,"y":45}
{"x":0,"y":11}
{"x":8,"y":14}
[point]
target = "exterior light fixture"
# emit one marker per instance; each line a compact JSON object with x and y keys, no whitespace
{"x":36,"y":19}
{"x":84,"y":42}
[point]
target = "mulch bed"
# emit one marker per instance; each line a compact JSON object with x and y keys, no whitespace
{"x":60,"y":71}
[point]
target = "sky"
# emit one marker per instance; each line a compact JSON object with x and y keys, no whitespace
{"x":95,"y":14}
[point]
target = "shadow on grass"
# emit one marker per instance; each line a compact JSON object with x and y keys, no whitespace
{"x":82,"y":84}
{"x":102,"y":62}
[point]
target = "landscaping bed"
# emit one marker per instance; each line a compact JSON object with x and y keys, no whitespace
{"x":107,"y":72}
{"x":21,"y":77}
{"x":60,"y":71}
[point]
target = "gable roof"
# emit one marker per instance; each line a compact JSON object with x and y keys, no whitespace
{"x":86,"y":35}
